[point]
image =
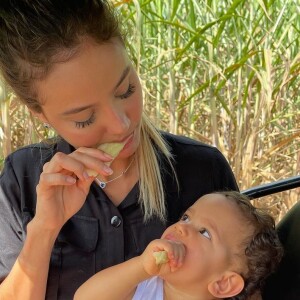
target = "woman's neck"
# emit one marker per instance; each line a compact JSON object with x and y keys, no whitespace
{"x":117,"y":190}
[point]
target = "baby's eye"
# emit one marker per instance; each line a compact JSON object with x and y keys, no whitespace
{"x":184,"y":218}
{"x":205,"y":233}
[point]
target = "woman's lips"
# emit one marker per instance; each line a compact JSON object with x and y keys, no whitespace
{"x":125,"y":141}
{"x":128,"y":141}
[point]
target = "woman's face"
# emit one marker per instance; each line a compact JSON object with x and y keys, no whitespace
{"x":94,"y":98}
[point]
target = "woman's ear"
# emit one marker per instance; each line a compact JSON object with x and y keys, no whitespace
{"x":229,"y":285}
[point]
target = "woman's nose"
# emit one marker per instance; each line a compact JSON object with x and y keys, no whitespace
{"x":117,"y":122}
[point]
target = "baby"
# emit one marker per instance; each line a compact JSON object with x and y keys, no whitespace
{"x":221,"y":248}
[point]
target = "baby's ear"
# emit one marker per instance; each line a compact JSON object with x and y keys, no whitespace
{"x":229,"y":285}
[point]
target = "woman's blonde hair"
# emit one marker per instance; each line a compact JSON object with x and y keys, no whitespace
{"x":152,"y":194}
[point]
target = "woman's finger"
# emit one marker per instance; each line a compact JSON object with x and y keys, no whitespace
{"x":92,"y":161}
{"x":57,"y":179}
{"x":75,"y":163}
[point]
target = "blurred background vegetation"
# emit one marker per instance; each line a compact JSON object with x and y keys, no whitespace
{"x":225,"y":72}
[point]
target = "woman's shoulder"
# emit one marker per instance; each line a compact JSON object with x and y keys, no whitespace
{"x":35,"y":155}
{"x":200,"y":169}
{"x":184,"y":145}
{"x":192,"y":154}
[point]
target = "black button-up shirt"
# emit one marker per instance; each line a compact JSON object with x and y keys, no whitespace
{"x":101,"y":234}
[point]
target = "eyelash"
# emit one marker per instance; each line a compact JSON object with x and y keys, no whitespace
{"x":184,"y":217}
{"x":129,"y":92}
{"x":202,"y":230}
{"x":87,"y":122}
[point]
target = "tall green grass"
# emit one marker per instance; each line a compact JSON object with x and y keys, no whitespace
{"x":223,"y":72}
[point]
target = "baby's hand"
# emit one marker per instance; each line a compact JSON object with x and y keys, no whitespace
{"x":163,"y":256}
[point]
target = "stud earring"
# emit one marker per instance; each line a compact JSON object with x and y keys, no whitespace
{"x":46,"y":125}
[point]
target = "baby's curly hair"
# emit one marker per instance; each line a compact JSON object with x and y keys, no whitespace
{"x":262,"y":249}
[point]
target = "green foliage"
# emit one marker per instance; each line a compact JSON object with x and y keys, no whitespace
{"x":225,"y":72}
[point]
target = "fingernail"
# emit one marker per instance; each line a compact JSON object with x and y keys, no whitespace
{"x":86,"y":175}
{"x":108,"y":156}
{"x":70,"y":179}
{"x":107,"y":169}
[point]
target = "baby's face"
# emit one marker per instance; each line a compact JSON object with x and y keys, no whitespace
{"x":212,"y":231}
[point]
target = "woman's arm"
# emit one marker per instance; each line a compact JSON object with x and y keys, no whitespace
{"x":28,"y":277}
{"x":61,"y":192}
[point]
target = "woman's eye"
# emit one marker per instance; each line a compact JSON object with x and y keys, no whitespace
{"x":85,"y":123}
{"x":184,"y":218}
{"x":129,"y":92}
{"x":205,"y":233}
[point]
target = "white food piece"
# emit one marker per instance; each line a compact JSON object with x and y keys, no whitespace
{"x":161,"y":257}
{"x":113,"y":149}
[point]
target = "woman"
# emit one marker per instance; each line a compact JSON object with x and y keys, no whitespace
{"x":67,"y":62}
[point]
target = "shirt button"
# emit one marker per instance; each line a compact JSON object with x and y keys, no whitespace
{"x":115,"y":221}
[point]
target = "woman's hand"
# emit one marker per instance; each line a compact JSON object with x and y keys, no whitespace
{"x":175,"y":250}
{"x":64,"y":185}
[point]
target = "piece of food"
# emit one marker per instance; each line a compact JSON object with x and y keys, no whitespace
{"x":161,"y":257}
{"x":113,"y":149}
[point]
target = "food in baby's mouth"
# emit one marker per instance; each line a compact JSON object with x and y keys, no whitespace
{"x":161,"y":257}
{"x":113,"y":149}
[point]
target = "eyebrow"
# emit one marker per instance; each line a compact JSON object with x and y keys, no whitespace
{"x":82,"y":108}
{"x":214,"y":228}
{"x":76,"y":110}
{"x":209,"y":223}
{"x":123,"y":76}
